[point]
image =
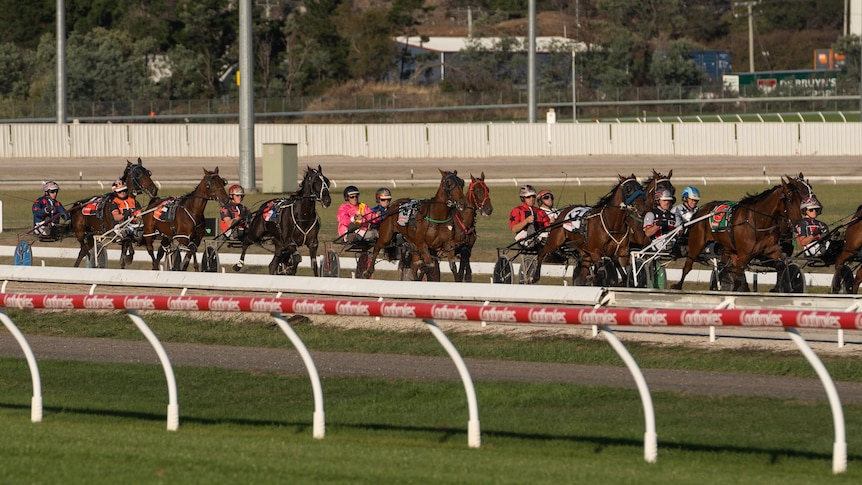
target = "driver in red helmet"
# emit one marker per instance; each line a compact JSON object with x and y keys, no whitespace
{"x":234,"y":215}
{"x":384,"y":201}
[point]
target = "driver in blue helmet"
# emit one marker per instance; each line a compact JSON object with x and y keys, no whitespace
{"x":686,"y":209}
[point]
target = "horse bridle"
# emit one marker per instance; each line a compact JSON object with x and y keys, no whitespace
{"x":134,"y":170}
{"x":471,"y":198}
{"x":450,"y":182}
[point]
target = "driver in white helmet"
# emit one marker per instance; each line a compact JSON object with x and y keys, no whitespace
{"x":809,"y":230}
{"x":47,"y":209}
{"x":234,"y":215}
{"x":686,"y":209}
{"x":527,"y":219}
{"x":661,"y":220}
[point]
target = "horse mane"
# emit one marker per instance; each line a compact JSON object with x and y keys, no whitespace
{"x":754,"y":198}
{"x":606,"y":199}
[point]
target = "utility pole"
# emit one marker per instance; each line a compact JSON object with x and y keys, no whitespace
{"x":750,"y":6}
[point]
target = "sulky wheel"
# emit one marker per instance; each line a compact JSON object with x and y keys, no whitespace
{"x":503,"y":270}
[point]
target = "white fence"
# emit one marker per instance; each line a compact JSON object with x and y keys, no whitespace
{"x":457,"y":140}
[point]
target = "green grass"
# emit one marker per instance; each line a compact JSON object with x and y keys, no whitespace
{"x":260,"y":332}
{"x":106,"y":424}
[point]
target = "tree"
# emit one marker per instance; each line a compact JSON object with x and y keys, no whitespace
{"x":13,"y":84}
{"x":372,"y":53}
{"x":318,"y":54}
{"x":105,"y":65}
{"x":849,"y":78}
{"x":675,"y":67}
{"x":209,"y":28}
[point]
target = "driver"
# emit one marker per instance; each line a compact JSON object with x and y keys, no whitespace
{"x":660,"y":221}
{"x":353,"y":217}
{"x":234,"y":215}
{"x":124,"y":208}
{"x":47,"y":208}
{"x":809,"y":230}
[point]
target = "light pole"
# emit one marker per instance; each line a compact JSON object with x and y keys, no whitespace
{"x":750,"y":6}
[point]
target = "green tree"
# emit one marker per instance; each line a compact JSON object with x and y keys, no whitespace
{"x":372,"y":52}
{"x":642,"y":21}
{"x":13,"y":84}
{"x":105,"y":65}
{"x":318,"y":54}
{"x":209,"y":28}
{"x":675,"y":68}
{"x":22,"y":23}
{"x":849,"y":77}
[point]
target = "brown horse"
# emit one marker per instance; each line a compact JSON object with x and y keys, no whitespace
{"x":756,"y":228}
{"x":850,"y":251}
{"x":296,"y":223}
{"x":428,"y":231}
{"x":187,"y":227}
{"x":464,"y":229}
{"x":99,"y":221}
{"x":603,"y":230}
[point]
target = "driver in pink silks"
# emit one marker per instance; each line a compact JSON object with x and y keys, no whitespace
{"x":354,"y":218}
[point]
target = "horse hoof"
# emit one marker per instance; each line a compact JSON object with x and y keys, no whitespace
{"x":237,"y":267}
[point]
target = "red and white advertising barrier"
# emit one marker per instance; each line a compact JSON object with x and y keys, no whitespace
{"x":603,"y":318}
{"x":440,"y":311}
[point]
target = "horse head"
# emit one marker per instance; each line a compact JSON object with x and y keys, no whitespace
{"x":139,"y":179}
{"x":318,"y":184}
{"x":630,"y":194}
{"x":214,"y":186}
{"x":479,"y":195}
{"x":793,"y":191}
{"x":451,"y":190}
{"x":656,"y":182}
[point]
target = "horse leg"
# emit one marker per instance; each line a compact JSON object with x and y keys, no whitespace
{"x":85,"y":250}
{"x":312,"y":253}
{"x":239,"y":264}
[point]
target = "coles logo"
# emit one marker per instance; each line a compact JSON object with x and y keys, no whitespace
{"x":398,"y":310}
{"x":267,"y":305}
{"x":309,"y":307}
{"x":547,"y":316}
{"x":182,"y":304}
{"x":139,"y":303}
{"x":494,"y":314}
{"x":701,"y":318}
{"x":818,"y":320}
{"x":446,"y":312}
{"x":224,"y":305}
{"x":594,"y":317}
{"x":63,"y":302}
{"x":19,"y":301}
{"x":758,"y":318}
{"x":352,"y":308}
{"x":651,"y":318}
{"x":98,"y":303}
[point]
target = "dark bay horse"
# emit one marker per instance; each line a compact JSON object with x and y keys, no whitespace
{"x":852,"y":245}
{"x":187,"y":227}
{"x":464,"y":230}
{"x":428,"y":231}
{"x":294,"y":223}
{"x":98,"y":219}
{"x":756,"y":228}
{"x":603,"y":232}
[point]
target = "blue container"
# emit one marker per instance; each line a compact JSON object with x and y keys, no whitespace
{"x":714,"y":63}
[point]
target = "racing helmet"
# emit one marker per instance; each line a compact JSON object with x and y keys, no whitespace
{"x":50,"y":185}
{"x":350,"y":190}
{"x":236,"y":189}
{"x":118,"y":186}
{"x":383,"y":194}
{"x":810,"y":203}
{"x":690,"y":192}
{"x":543,"y":193}
{"x":663,"y":195}
{"x":526,"y":191}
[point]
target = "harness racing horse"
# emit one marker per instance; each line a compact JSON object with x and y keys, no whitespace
{"x":430,"y":229}
{"x":754,"y":228}
{"x":603,"y":231}
{"x":294,"y":223}
{"x":187,"y":227}
{"x":464,"y":231}
{"x":98,"y":219}
{"x":850,"y":249}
